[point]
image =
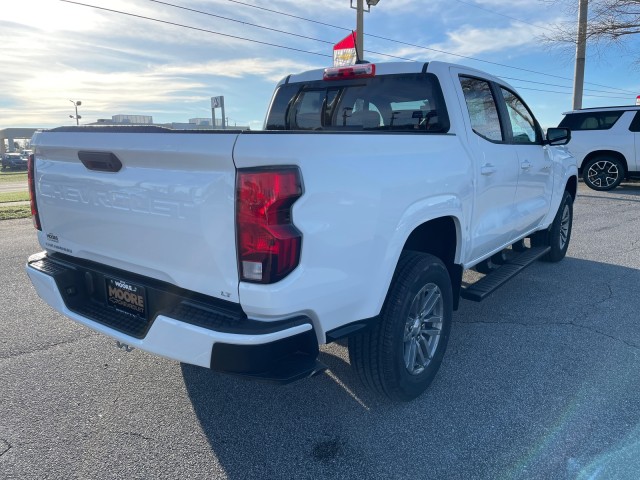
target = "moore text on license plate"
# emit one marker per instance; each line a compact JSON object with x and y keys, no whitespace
{"x":126,"y":297}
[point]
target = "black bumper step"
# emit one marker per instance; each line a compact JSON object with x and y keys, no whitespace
{"x":82,"y":286}
{"x":494,"y":280}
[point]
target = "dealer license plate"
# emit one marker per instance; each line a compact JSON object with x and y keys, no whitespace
{"x":126,"y":297}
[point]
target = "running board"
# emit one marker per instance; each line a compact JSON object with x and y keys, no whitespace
{"x":494,"y":280}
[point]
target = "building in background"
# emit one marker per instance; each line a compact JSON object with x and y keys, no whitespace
{"x":133,"y":119}
{"x":194,"y":123}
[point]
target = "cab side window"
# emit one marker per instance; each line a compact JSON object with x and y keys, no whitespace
{"x":523,"y":126}
{"x":483,"y":111}
{"x":591,"y":120}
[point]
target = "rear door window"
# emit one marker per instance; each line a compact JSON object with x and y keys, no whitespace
{"x":482,"y":108}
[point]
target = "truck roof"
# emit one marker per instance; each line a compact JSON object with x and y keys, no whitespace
{"x":390,"y":68}
{"x":604,"y":109}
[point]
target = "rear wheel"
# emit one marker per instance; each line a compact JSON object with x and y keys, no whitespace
{"x":603,"y":173}
{"x":559,"y":234}
{"x":400,"y":356}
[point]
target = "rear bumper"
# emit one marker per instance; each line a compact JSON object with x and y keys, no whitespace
{"x":179,"y":325}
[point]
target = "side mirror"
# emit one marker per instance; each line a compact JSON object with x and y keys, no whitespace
{"x":558,"y":136}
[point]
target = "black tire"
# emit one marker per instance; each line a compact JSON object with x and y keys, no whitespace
{"x":390,"y":357}
{"x":559,"y":233}
{"x":603,"y":173}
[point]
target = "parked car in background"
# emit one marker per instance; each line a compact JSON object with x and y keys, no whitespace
{"x":14,"y":161}
{"x":606,"y":144}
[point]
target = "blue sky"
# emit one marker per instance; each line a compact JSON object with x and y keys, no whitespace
{"x":55,"y":51}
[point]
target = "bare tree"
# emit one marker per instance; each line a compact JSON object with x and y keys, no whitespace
{"x":611,"y":22}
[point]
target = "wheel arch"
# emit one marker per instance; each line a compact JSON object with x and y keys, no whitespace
{"x":440,"y":237}
{"x":602,"y":153}
{"x":572,"y":186}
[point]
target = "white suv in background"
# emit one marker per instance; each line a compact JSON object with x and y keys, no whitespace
{"x":606,"y":144}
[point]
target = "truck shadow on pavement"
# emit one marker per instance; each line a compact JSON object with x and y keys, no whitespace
{"x":539,"y":381}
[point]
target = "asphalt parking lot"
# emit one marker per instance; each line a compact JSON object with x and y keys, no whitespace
{"x":540,"y":381}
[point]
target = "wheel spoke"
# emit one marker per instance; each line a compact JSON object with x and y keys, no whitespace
{"x":430,"y":302}
{"x":410,"y":355}
{"x":422,"y":300}
{"x":425,"y":350}
{"x":432,"y":332}
{"x":433,"y":345}
{"x":422,"y":352}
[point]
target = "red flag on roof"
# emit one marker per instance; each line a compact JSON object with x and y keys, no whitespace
{"x":344,"y":52}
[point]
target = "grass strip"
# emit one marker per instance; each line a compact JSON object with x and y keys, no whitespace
{"x":13,"y":177}
{"x":13,"y":212}
{"x":14,"y":197}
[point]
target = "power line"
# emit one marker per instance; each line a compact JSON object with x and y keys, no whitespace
{"x":474,"y":5}
{"x":197,"y":29}
{"x":265,"y":28}
{"x":241,"y":21}
{"x":554,"y":85}
{"x":374,"y":36}
{"x":567,"y":93}
{"x":424,"y":47}
{"x":310,"y":38}
{"x":289,"y":15}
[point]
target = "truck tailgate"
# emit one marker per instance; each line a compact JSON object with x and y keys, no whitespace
{"x":167,"y":213}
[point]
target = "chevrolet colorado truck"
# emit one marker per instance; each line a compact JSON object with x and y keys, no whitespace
{"x":353,"y":214}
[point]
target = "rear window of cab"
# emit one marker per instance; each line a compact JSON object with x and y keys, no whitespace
{"x":591,"y":120}
{"x":399,"y":103}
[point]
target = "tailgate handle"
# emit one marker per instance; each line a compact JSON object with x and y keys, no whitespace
{"x":100,"y":161}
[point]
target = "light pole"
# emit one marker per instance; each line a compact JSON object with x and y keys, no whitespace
{"x":76,"y":116}
{"x":360,"y":24}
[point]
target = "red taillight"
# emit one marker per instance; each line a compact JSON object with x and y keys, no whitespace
{"x":268,"y":242}
{"x":347,"y":73}
{"x":31,"y":176}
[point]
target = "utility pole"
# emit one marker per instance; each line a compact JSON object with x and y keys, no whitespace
{"x":360,"y":24}
{"x":581,"y":48}
{"x":360,"y":30}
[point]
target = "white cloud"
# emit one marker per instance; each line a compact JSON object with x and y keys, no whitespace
{"x":55,"y":51}
{"x":272,"y":70}
{"x":470,"y":41}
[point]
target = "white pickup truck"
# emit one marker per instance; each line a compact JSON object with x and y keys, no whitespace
{"x":352,"y":214}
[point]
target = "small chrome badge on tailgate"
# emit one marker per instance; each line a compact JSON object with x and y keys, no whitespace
{"x":126,"y":297}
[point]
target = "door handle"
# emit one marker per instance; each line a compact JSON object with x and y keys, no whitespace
{"x":526,"y":165}
{"x":487,"y":169}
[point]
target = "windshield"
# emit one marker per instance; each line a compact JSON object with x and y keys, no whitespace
{"x":403,"y":103}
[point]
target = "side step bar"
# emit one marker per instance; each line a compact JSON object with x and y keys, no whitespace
{"x":494,"y":280}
